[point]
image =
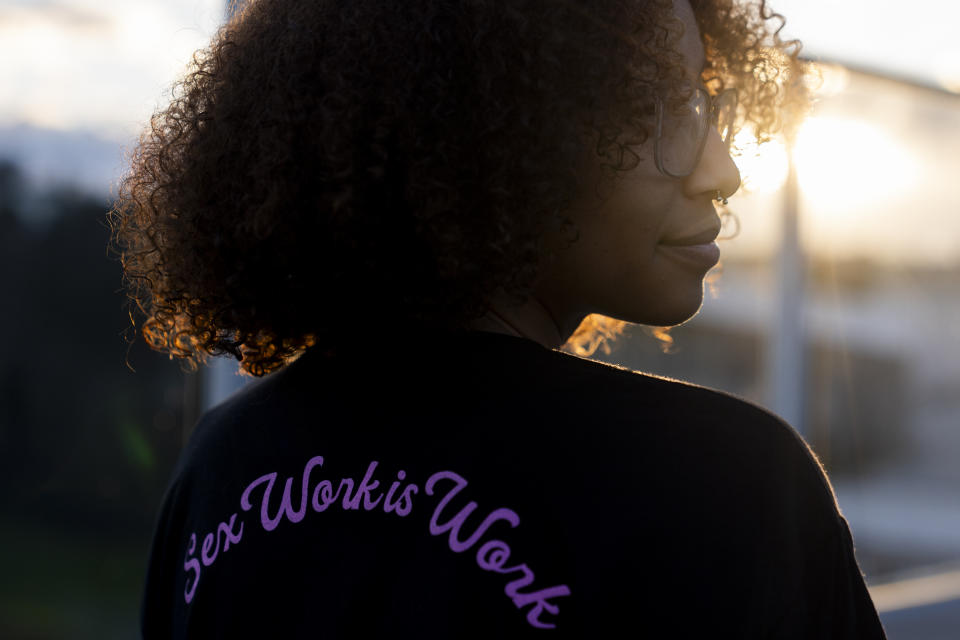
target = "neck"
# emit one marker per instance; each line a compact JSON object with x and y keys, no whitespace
{"x":531,"y":320}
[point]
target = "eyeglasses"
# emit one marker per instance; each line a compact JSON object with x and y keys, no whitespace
{"x":681,"y":136}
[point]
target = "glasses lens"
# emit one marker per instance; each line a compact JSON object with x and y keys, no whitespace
{"x":682,"y":134}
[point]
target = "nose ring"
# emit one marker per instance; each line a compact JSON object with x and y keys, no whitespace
{"x":720,"y":198}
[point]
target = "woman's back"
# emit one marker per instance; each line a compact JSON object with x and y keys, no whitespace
{"x":478,"y":485}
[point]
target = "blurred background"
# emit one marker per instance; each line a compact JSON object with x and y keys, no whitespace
{"x":837,"y":304}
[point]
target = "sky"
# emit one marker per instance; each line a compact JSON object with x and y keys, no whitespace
{"x":917,"y":38}
{"x":104,"y":65}
{"x":101,"y":65}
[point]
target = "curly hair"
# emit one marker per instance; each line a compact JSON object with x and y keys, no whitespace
{"x":327,"y":166}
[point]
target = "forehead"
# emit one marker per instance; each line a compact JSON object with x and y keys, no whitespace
{"x":690,"y":45}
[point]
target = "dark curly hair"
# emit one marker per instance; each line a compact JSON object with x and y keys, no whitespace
{"x":328,"y":166}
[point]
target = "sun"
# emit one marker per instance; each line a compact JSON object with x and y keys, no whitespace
{"x":845,"y":164}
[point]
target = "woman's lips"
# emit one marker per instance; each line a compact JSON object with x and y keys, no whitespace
{"x":703,"y":256}
{"x":698,"y":250}
{"x":702,"y":237}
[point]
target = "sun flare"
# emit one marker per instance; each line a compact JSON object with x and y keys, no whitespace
{"x":847,"y":164}
{"x":842,"y":164}
{"x":763,"y":168}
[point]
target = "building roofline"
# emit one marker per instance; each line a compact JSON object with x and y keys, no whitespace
{"x":884,"y":74}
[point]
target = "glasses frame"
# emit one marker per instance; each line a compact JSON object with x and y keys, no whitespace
{"x":711,"y":121}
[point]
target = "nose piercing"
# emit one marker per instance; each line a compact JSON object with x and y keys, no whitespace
{"x":720,"y":198}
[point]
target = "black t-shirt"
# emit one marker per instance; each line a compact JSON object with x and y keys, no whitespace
{"x":480,"y":485}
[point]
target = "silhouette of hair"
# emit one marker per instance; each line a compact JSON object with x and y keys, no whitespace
{"x":328,"y":168}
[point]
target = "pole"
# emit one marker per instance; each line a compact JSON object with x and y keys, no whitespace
{"x":785,"y":362}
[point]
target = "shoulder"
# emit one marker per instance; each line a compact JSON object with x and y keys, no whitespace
{"x":707,"y":436}
{"x":618,"y":391}
{"x":722,"y":488}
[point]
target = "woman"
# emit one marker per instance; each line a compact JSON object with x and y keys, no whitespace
{"x":400,"y":211}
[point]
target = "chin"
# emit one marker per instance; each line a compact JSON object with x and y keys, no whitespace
{"x":671,"y":310}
